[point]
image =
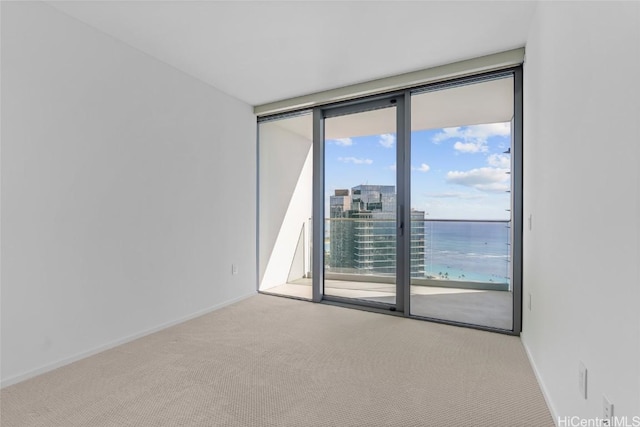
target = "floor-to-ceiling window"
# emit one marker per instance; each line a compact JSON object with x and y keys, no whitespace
{"x":285,"y":159}
{"x":415,"y":202}
{"x":461,"y":142}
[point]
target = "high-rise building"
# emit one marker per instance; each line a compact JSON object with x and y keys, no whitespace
{"x":363,"y":232}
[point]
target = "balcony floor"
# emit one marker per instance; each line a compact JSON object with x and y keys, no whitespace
{"x":478,"y":307}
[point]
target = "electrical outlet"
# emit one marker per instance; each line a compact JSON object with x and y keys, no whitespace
{"x":607,"y":411}
{"x":234,"y":269}
{"x":582,"y":380}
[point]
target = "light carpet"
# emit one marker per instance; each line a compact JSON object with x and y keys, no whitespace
{"x":270,"y":361}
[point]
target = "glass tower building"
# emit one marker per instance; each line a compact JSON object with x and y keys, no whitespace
{"x":363,"y":232}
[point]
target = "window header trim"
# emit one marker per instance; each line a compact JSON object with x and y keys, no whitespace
{"x":494,"y":62}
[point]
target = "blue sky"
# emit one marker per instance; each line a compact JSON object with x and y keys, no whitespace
{"x":457,"y":173}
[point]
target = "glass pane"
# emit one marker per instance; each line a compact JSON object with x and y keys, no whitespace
{"x":285,"y":202}
{"x":360,"y":206}
{"x":460,"y":178}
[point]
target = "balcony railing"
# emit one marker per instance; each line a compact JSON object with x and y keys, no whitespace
{"x":452,"y":253}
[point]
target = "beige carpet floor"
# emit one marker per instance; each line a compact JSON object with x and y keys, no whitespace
{"x":270,"y":361}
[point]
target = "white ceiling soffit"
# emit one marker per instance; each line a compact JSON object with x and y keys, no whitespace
{"x":480,"y":103}
{"x":487,"y":102}
{"x":496,"y":61}
{"x":265,"y":51}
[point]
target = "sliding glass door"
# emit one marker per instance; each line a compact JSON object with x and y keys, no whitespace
{"x":361,"y":203}
{"x":416,"y":203}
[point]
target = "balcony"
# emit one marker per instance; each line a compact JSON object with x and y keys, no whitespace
{"x":460,"y":269}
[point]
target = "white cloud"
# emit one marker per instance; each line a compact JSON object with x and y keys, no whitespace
{"x":447,"y":133}
{"x":471,"y":147}
{"x":392,"y":167}
{"x":443,"y":195}
{"x":477,"y":132}
{"x":387,"y":140}
{"x":495,"y":187}
{"x":355,"y":160}
{"x":499,"y":161}
{"x":452,"y":195}
{"x":345,"y":142}
{"x":483,"y":179}
{"x":473,"y":139}
{"x":423,"y":168}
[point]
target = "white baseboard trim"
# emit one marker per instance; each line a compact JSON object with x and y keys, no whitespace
{"x":543,"y":388}
{"x":68,"y":360}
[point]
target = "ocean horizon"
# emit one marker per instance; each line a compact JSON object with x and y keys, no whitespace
{"x":468,"y":251}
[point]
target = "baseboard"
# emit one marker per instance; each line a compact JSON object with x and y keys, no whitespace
{"x":68,"y":360}
{"x":543,"y":388}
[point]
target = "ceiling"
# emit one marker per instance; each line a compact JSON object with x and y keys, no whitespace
{"x":265,"y":51}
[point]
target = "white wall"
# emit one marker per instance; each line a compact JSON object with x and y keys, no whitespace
{"x":286,"y":179}
{"x":582,"y":188}
{"x":127,"y":192}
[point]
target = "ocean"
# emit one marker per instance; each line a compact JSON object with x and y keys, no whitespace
{"x":468,"y":251}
